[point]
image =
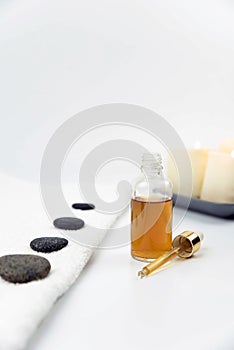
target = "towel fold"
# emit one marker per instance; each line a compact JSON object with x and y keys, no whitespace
{"x":23,"y":218}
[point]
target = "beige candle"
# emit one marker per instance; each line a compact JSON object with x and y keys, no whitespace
{"x":218,"y":185}
{"x":226,"y":145}
{"x":198,"y":158}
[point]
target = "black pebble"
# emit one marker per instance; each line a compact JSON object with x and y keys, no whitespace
{"x":68,"y":223}
{"x":83,"y":206}
{"x":22,"y":268}
{"x":48,"y":244}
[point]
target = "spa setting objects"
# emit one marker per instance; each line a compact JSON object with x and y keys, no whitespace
{"x":212,"y":180}
{"x":183,"y":246}
{"x":198,"y":157}
{"x":48,"y":244}
{"x":116,"y":175}
{"x":218,"y":185}
{"x":69,"y":223}
{"x":83,"y":206}
{"x":37,"y":263}
{"x":23,"y":268}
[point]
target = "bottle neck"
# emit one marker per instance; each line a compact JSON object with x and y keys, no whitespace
{"x":152,"y":165}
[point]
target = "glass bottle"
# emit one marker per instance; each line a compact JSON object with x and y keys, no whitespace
{"x":151,"y":211}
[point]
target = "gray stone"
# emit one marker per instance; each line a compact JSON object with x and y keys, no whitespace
{"x":21,"y":268}
{"x":83,"y":206}
{"x":68,"y":223}
{"x":48,"y":244}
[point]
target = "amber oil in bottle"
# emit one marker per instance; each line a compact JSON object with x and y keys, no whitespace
{"x":151,"y":211}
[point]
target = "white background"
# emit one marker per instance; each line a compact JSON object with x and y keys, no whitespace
{"x":59,"y":57}
{"x":175,"y":57}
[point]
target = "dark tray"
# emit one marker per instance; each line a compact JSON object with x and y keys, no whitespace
{"x":222,"y":210}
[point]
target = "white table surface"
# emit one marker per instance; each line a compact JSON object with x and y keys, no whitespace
{"x":188,"y":305}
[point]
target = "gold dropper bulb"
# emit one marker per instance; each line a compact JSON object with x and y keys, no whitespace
{"x":184,"y":246}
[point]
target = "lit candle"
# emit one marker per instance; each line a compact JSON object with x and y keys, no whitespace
{"x":226,"y":145}
{"x":218,"y":185}
{"x":198,"y":158}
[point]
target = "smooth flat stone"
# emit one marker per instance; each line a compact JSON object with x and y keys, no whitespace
{"x":69,"y":223}
{"x":83,"y":206}
{"x":22,"y":268}
{"x":48,"y":244}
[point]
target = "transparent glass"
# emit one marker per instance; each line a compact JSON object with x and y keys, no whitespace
{"x":151,"y":211}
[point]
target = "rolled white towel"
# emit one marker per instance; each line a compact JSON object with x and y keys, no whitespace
{"x":23,"y":218}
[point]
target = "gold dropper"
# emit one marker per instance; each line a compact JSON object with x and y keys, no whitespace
{"x":184,"y":246}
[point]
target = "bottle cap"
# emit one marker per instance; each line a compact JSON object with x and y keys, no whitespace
{"x":188,"y":242}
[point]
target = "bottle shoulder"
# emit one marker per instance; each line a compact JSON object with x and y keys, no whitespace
{"x":157,"y":180}
{"x":159,"y":188}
